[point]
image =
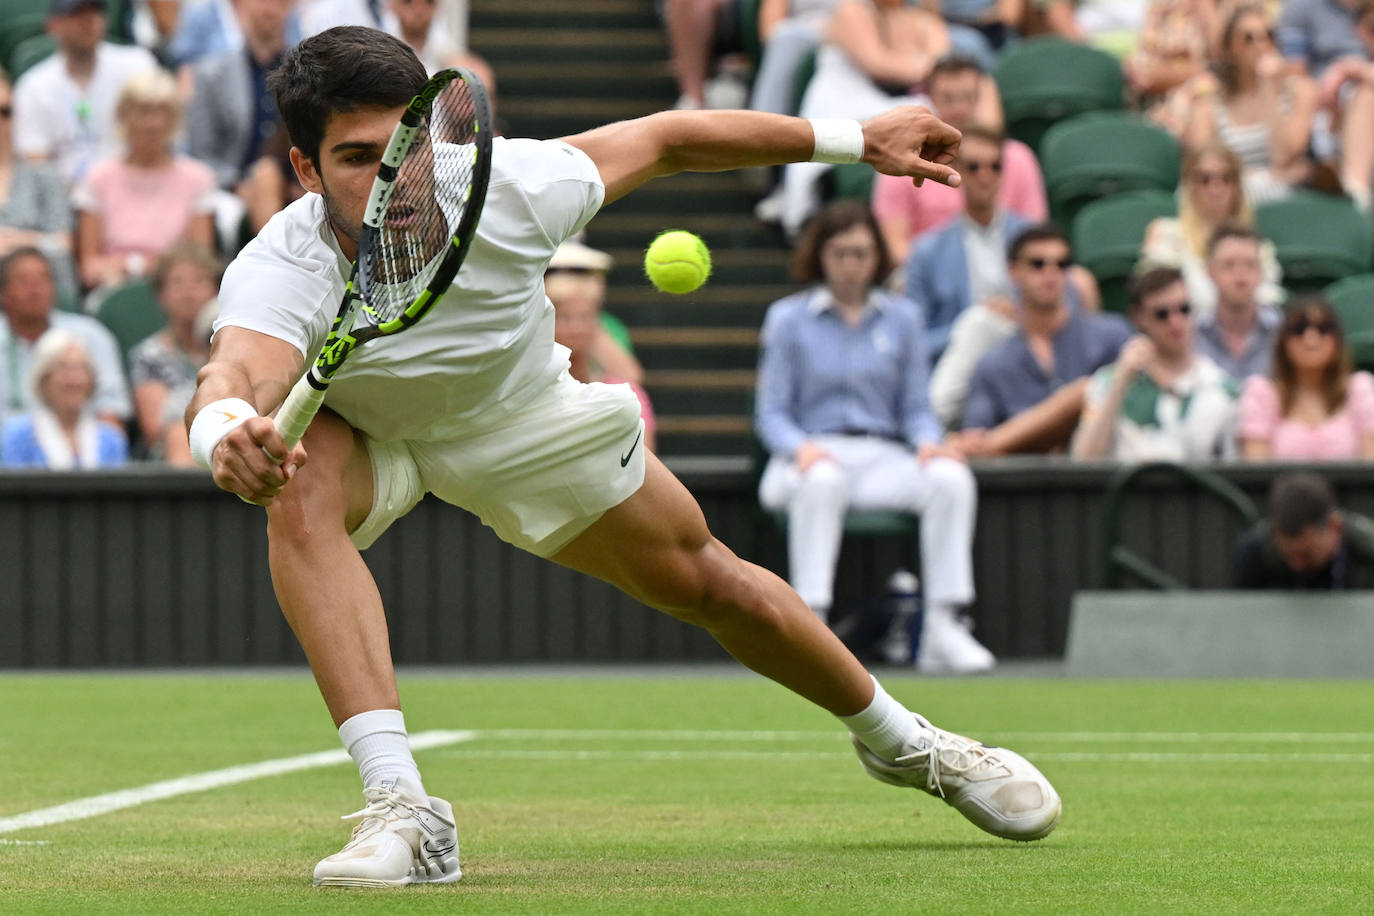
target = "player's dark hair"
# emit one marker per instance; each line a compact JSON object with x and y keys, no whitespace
{"x":1231,"y":231}
{"x":837,"y":217}
{"x":953,"y":65}
{"x":14,"y":257}
{"x":342,"y":69}
{"x":1041,"y":232}
{"x":1152,"y":281}
{"x":1299,"y":500}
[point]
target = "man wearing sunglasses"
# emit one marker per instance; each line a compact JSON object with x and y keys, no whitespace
{"x":1161,"y":400}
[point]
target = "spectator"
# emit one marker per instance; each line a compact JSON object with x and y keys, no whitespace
{"x":1306,"y":543}
{"x":27,"y":300}
{"x":34,"y":211}
{"x":61,"y":431}
{"x":979,"y":28}
{"x":1211,"y":196}
{"x":790,"y":31}
{"x":163,"y":367}
{"x":1173,"y":46}
{"x":415,"y":23}
{"x":1345,"y":110}
{"x":1026,"y":393}
{"x":576,"y":285}
{"x":233,"y":125}
{"x":842,"y":411}
{"x":875,"y":57}
{"x":965,"y":263}
{"x":962,"y":95}
{"x":1112,"y":25}
{"x":1314,"y":407}
{"x":1254,"y":107}
{"x":132,"y":207}
{"x":64,"y":106}
{"x":1314,"y":34}
{"x":1161,"y":400}
{"x":210,"y":28}
{"x":1239,"y":334}
{"x":698,"y":32}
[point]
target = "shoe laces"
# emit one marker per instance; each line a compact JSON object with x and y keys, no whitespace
{"x":948,"y":754}
{"x":381,"y":809}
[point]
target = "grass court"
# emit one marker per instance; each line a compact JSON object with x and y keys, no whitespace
{"x":701,"y":793}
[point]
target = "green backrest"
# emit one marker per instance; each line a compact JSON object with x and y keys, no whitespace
{"x":1318,"y":238}
{"x":15,"y":28}
{"x":132,"y":314}
{"x":1101,"y":154}
{"x":1046,"y":80}
{"x":852,"y":182}
{"x":1108,"y":234}
{"x":29,"y":52}
{"x":1353,"y":300}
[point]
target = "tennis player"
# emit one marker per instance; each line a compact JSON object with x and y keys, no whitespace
{"x":475,"y":405}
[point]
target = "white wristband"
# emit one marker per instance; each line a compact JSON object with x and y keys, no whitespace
{"x":839,"y":141}
{"x":215,"y":421}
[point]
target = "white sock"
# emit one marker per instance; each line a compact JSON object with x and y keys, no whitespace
{"x":885,"y":726}
{"x":376,"y":740}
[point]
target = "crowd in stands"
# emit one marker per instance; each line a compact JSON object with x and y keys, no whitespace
{"x":136,"y":158}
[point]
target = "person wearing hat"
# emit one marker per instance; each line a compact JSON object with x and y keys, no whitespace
{"x":64,"y":105}
{"x":575,"y":282}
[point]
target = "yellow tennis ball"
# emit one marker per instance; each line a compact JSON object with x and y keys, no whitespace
{"x":677,"y":262}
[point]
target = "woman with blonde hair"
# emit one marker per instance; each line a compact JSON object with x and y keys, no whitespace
{"x":132,"y":207}
{"x":1210,"y":196}
{"x":1315,"y":407}
{"x":61,"y":432}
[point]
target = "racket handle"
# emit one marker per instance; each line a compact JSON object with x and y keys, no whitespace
{"x":299,"y":408}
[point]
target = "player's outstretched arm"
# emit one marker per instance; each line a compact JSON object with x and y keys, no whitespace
{"x":248,"y":375}
{"x":909,"y":141}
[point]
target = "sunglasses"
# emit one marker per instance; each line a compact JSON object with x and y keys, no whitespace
{"x":1042,"y":263}
{"x":1303,"y":325}
{"x":975,"y":167}
{"x":1207,"y":179}
{"x":1163,"y":313}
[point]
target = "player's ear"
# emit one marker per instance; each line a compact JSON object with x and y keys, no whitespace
{"x":305,"y":171}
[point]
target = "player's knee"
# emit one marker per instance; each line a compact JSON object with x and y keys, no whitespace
{"x":316,"y":500}
{"x":728,"y":588}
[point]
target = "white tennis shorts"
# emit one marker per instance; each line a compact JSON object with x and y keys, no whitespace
{"x":538,"y":479}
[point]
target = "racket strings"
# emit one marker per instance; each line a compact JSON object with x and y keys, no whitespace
{"x":427,"y":201}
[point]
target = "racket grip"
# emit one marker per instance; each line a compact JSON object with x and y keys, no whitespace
{"x":299,"y":408}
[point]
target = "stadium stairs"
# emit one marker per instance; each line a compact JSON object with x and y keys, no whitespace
{"x":562,"y":69}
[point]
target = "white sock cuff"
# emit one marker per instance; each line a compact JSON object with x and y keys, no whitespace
{"x":883,"y":725}
{"x":372,"y":722}
{"x":875,"y":713}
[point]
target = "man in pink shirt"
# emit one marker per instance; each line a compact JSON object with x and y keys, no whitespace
{"x":905,"y":212}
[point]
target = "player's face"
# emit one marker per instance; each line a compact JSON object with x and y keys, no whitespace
{"x":350,"y":153}
{"x":1166,"y":318}
{"x":1310,"y":549}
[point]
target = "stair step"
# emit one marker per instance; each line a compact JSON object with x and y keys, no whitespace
{"x":516,"y":45}
{"x":680,"y":402}
{"x":701,"y":381}
{"x":701,"y":314}
{"x":542,"y":14}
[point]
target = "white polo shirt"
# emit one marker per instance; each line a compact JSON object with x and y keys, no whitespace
{"x":481,"y":352}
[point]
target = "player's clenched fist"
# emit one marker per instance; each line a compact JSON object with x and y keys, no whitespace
{"x":245,"y":453}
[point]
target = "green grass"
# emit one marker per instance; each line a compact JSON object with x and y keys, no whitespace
{"x":1216,"y":796}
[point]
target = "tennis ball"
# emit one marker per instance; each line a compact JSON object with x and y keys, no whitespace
{"x":677,"y":262}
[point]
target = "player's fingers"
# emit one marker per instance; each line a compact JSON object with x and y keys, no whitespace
{"x":921,"y":169}
{"x":263,"y":431}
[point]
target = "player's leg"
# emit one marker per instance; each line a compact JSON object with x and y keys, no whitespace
{"x":656,"y":546}
{"x":329,"y":598}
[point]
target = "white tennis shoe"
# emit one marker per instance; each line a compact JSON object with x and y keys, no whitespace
{"x":996,"y":789}
{"x":400,"y":840}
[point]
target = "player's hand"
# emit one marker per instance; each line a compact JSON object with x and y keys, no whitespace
{"x":1135,"y":355}
{"x":911,"y":141}
{"x":807,"y":454}
{"x":254,"y":463}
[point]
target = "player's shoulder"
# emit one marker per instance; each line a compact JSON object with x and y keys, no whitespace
{"x":528,"y":162}
{"x":294,"y":235}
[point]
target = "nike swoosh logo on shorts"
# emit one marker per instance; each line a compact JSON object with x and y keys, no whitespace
{"x":625,"y":458}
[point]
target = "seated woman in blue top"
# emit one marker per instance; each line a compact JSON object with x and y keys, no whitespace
{"x":843,"y":410}
{"x":62,"y":432}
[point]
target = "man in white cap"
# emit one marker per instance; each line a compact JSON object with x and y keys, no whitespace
{"x":577,"y":267}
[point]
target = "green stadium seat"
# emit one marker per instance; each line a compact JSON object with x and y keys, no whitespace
{"x":1353,"y":300}
{"x":14,"y":29}
{"x":29,"y":52}
{"x":1108,"y":234}
{"x":1046,"y":80}
{"x":851,"y":182}
{"x":1319,"y":238}
{"x":132,"y":313}
{"x":1101,"y":154}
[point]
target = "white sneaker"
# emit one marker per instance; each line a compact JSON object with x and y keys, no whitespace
{"x":399,"y":841}
{"x":947,"y":647}
{"x":998,"y":790}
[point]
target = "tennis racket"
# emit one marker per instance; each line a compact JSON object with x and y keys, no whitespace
{"x":419,"y":223}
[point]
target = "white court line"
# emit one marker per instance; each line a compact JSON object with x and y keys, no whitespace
{"x":1070,"y":757}
{"x":554,"y":734}
{"x":199,"y":782}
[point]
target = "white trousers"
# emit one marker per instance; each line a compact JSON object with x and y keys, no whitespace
{"x":871,"y":473}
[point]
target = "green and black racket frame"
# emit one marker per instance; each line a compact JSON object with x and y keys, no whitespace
{"x":417,"y":229}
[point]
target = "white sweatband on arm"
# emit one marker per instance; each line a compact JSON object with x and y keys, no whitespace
{"x":839,"y":141}
{"x":213,"y":422}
